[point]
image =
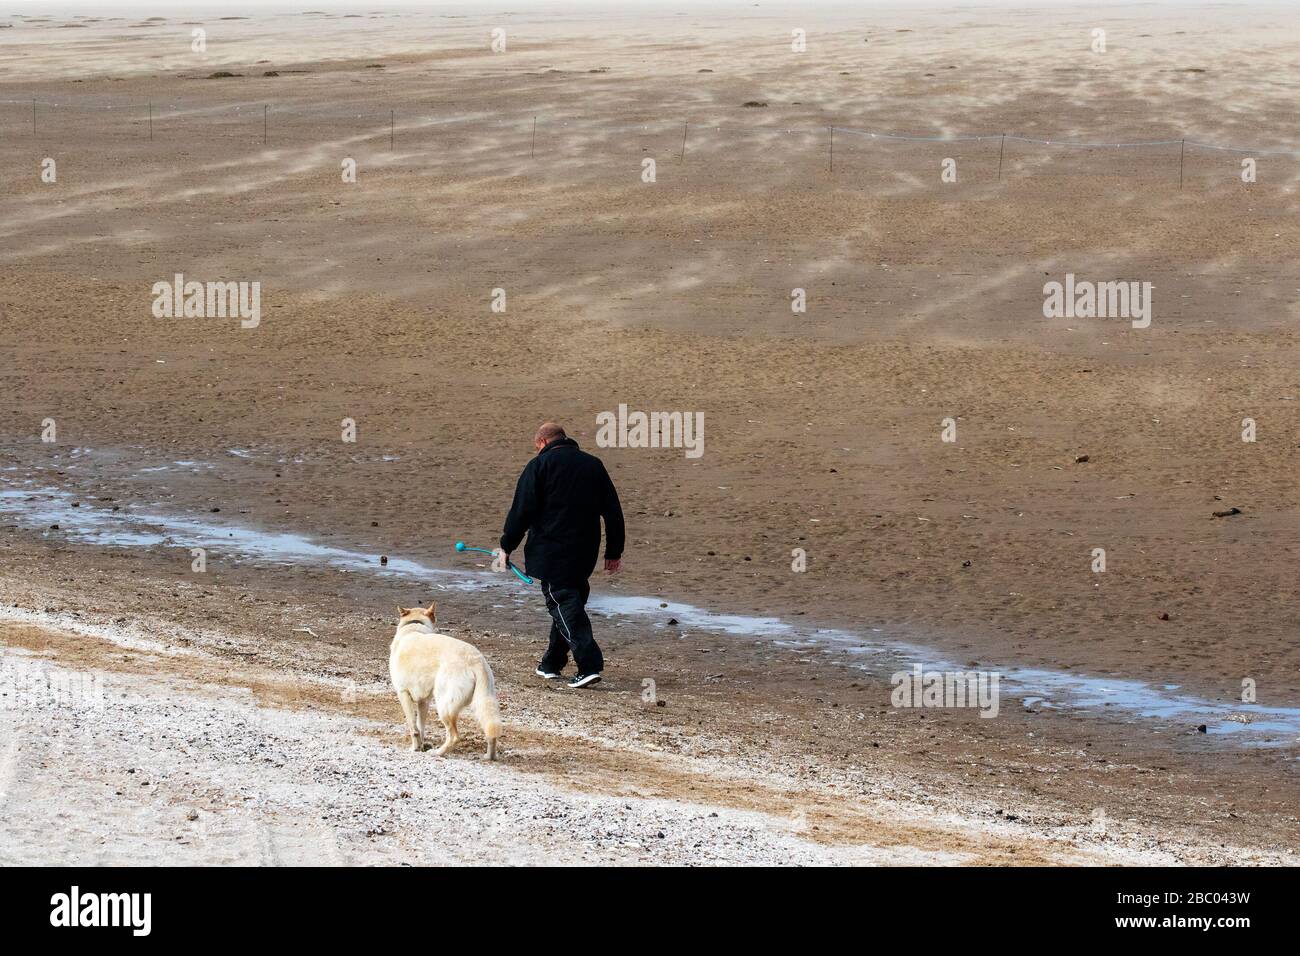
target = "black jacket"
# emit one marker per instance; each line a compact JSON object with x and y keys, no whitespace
{"x":559,"y":501}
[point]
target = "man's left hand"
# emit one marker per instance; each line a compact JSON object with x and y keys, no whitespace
{"x":613,"y":565}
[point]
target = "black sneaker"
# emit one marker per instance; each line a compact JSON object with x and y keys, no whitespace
{"x":582,"y":680}
{"x":544,"y":674}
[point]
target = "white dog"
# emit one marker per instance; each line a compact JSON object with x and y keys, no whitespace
{"x":426,"y":665}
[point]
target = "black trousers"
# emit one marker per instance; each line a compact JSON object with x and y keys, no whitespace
{"x":570,"y":628}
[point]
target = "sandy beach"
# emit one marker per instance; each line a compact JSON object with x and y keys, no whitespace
{"x":501,"y":259}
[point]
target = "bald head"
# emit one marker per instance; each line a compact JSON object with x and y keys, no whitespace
{"x":547,"y":432}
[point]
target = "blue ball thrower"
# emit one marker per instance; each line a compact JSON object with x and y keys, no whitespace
{"x":462,"y":546}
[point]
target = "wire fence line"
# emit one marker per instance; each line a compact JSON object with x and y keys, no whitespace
{"x":155,"y":112}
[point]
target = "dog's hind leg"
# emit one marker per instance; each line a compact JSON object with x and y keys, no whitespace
{"x":451,"y":696}
{"x":422,"y":719}
{"x":453,"y":736}
{"x":408,"y":708}
{"x":485,"y":707}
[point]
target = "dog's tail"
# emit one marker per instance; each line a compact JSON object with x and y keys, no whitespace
{"x":484,"y":703}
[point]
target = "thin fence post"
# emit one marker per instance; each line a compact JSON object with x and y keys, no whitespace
{"x":532,"y":147}
{"x":682,"y":159}
{"x":151,"y":122}
{"x":1182,"y":151}
{"x":33,"y":116}
{"x":1001,"y":150}
{"x":265,"y":108}
{"x":392,"y":129}
{"x":832,"y":156}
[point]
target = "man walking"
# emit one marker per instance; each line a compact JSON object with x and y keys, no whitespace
{"x":560,"y":500}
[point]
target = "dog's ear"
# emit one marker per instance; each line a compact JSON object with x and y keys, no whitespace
{"x":432,"y":608}
{"x":401,"y":612}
